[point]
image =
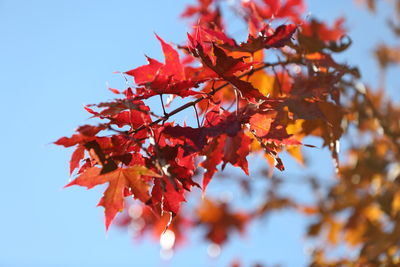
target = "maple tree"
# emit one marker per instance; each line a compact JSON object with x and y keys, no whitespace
{"x":263,"y":96}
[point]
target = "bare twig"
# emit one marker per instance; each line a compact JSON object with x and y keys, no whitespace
{"x":197,"y":116}
{"x":162,"y":104}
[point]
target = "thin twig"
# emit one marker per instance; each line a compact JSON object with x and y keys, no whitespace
{"x":197,"y":116}
{"x":162,"y":104}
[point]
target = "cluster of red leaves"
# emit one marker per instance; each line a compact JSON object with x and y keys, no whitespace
{"x":247,"y":106}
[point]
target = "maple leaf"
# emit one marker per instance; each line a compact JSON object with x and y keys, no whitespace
{"x":219,"y":220}
{"x":322,"y":31}
{"x":261,"y":123}
{"x":167,"y":78}
{"x":315,"y":36}
{"x":205,"y":13}
{"x":266,"y":38}
{"x":119,"y":179}
{"x":203,"y":6}
{"x":281,"y":36}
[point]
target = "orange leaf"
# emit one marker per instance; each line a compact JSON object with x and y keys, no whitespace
{"x":261,"y":123}
{"x":263,"y":82}
{"x":209,"y":212}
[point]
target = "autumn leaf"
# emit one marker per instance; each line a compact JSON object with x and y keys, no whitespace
{"x":167,"y":78}
{"x":320,"y":30}
{"x":219,"y":220}
{"x":275,"y":9}
{"x":119,"y":179}
{"x":261,"y":123}
{"x":263,"y":82}
{"x":281,"y":36}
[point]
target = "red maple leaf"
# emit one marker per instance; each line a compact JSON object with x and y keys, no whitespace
{"x":219,"y":220}
{"x":167,"y":78}
{"x":265,"y":39}
{"x":119,"y":180}
{"x":322,"y":31}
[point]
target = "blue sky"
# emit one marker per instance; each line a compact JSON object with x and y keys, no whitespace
{"x":57,"y":56}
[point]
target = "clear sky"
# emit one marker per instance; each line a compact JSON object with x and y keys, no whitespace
{"x":56,"y":56}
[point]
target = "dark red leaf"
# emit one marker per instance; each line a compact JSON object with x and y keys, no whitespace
{"x":281,"y":36}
